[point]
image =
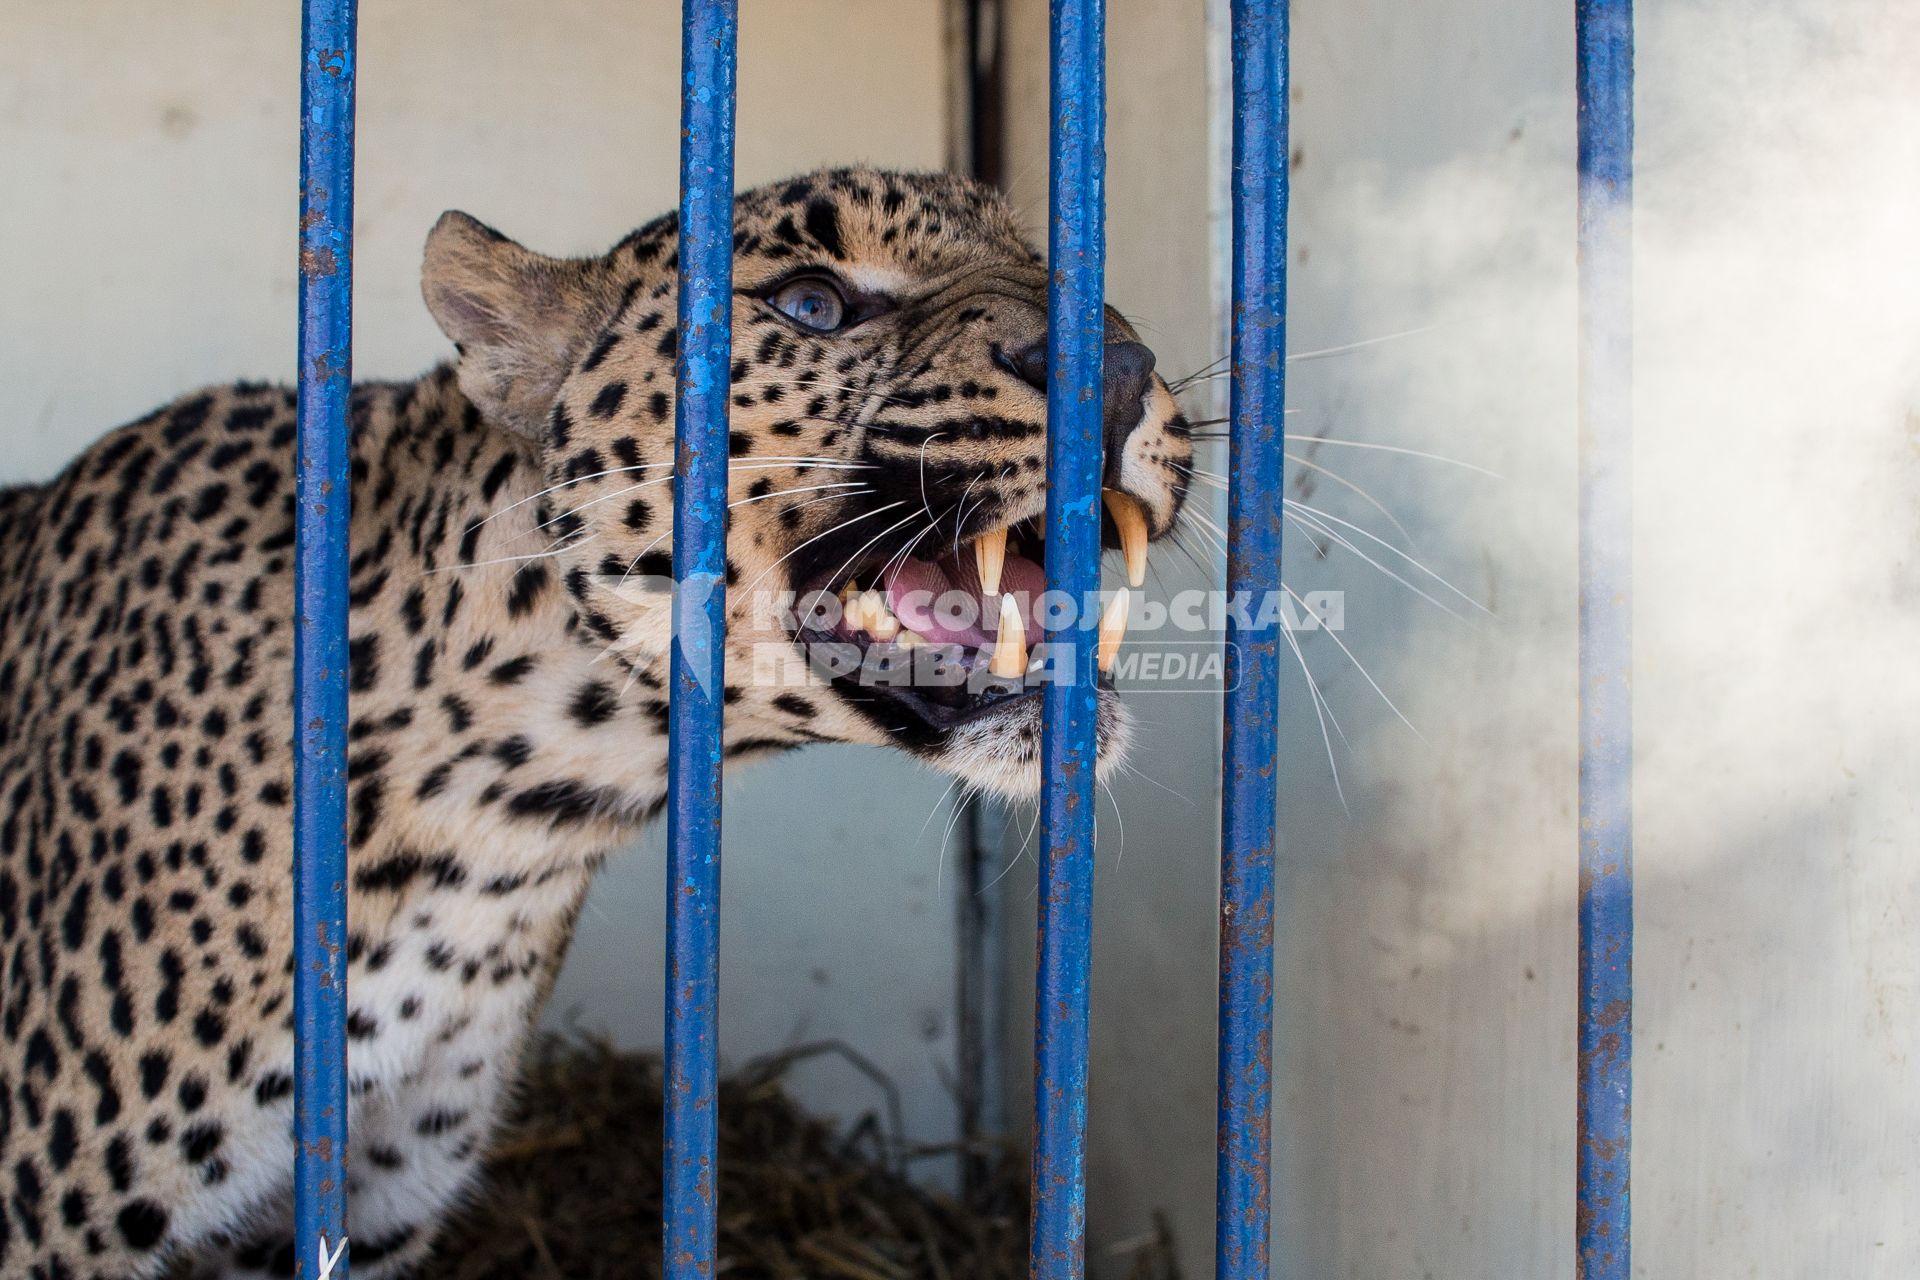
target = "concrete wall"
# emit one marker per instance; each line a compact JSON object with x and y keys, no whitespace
{"x":1426,"y":969}
{"x":147,"y":211}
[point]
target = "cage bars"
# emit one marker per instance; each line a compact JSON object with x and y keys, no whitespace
{"x":1076,"y":335}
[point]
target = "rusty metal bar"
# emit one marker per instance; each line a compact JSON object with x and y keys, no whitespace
{"x":697,"y":675}
{"x":320,"y":638}
{"x":1076,"y":335}
{"x":1605,"y":1092}
{"x":1249,"y":777}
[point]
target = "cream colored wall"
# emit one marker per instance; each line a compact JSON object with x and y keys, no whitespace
{"x":147,"y":216}
{"x":1425,"y":977}
{"x":149,"y":195}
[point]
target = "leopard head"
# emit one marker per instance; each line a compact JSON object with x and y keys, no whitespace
{"x":887,"y":474}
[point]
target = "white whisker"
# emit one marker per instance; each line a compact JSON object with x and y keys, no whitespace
{"x":1358,"y":666}
{"x":481,"y":564}
{"x":1322,"y":713}
{"x":1314,"y":526}
{"x":1389,"y":547}
{"x":812,"y":488}
{"x":1339,"y":479}
{"x":1217,"y":368}
{"x":1221,"y":438}
{"x":1345,"y":347}
{"x":865,"y":515}
{"x":1128,"y":768}
{"x":853,"y":559}
{"x":605,"y":497}
{"x":1119,"y":820}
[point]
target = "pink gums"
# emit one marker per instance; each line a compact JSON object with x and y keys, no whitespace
{"x":915,"y":589}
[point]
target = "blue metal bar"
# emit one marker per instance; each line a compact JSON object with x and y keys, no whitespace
{"x":320,"y":639}
{"x":1076,"y":336}
{"x":1605,"y":86}
{"x":698,"y":677}
{"x":1249,"y":794}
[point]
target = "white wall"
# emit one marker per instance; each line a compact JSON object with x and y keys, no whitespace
{"x":1426,"y":967}
{"x":147,"y":216}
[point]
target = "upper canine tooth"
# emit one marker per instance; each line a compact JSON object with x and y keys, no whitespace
{"x":1010,"y":646}
{"x":1113,"y":628}
{"x":990,"y":557}
{"x":1131,"y":520}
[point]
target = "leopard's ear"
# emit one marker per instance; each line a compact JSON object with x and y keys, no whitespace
{"x":518,"y":318}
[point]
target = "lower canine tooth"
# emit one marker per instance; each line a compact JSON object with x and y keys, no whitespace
{"x":880,"y":619}
{"x":1010,"y":646}
{"x":910,"y":640}
{"x":867,"y":610}
{"x":990,"y":557}
{"x":1131,"y":521}
{"x":1113,"y":629}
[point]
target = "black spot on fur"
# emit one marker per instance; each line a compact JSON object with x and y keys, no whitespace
{"x":593,"y":703}
{"x":599,"y":353}
{"x":608,"y":402}
{"x":528,"y":584}
{"x":823,"y":224}
{"x":512,"y":671}
{"x":142,"y":1223}
{"x":497,"y":476}
{"x":363,"y":663}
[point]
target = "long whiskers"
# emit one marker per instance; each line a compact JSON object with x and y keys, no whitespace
{"x":1214,"y":437}
{"x":812,"y":488}
{"x":562,"y":545}
{"x":865,"y":515}
{"x":1323,"y":713}
{"x":1358,"y":666}
{"x":756,"y":464}
{"x":1218,"y":368}
{"x":854,"y":559}
{"x":1220,"y":482}
{"x":1318,"y":514}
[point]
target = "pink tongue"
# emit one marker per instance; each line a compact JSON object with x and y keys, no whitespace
{"x":915,"y":587}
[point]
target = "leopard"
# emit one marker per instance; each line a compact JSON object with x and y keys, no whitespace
{"x":509,"y":673}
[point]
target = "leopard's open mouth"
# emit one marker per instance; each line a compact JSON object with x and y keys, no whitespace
{"x":930,"y":644}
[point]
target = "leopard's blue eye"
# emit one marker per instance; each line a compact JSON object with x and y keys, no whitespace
{"x":814,"y":303}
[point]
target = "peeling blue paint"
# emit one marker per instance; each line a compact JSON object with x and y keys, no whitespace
{"x":1249,"y":794}
{"x":1605,"y":1093}
{"x":697,"y":676}
{"x":1076,"y":336}
{"x":320,"y":636}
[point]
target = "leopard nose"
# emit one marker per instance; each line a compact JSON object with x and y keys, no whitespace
{"x":1127,"y":371}
{"x":1123,"y":386}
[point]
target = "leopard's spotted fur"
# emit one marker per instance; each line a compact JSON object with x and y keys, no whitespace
{"x":508,"y":698}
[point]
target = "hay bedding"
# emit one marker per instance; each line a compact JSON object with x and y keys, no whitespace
{"x":572,"y":1190}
